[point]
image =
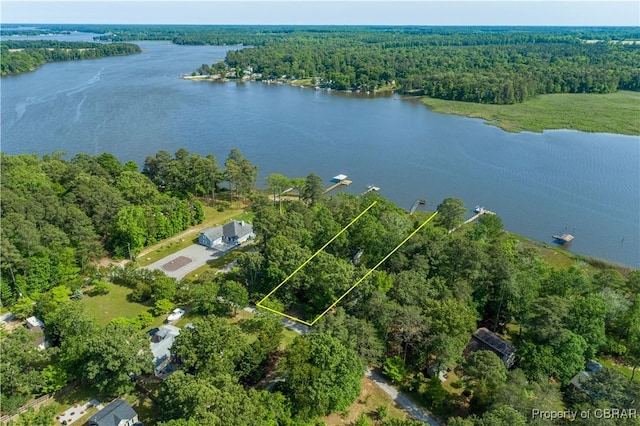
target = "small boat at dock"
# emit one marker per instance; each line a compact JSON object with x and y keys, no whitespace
{"x":563,"y":238}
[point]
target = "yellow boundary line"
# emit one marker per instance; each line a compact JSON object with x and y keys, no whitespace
{"x":375,"y":267}
{"x":315,"y":254}
{"x":259,"y":304}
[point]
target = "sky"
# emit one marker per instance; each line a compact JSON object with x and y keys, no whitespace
{"x":326,"y":12}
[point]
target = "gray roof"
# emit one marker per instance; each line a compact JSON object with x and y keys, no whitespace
{"x":113,"y":414}
{"x":235,"y":228}
{"x":162,"y":350}
{"x":213,"y":233}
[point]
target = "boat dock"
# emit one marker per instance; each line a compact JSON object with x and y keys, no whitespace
{"x":417,"y":204}
{"x":479,"y":212}
{"x":371,"y":188}
{"x":563,"y":238}
{"x":340,"y":180}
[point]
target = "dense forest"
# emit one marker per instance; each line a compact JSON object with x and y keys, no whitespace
{"x":415,"y":313}
{"x":59,"y":216}
{"x":25,"y":55}
{"x":497,"y":65}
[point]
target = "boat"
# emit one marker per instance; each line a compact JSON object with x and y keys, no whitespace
{"x":563,"y":238}
{"x":478,"y":209}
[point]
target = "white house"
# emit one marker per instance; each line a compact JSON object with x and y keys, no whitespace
{"x":234,"y":232}
{"x":161,"y":344}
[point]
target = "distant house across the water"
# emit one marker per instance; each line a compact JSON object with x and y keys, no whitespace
{"x":485,"y":340}
{"x":232,"y":233}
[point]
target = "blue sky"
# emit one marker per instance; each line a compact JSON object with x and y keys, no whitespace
{"x":300,"y":12}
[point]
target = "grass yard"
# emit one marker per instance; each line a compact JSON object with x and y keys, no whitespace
{"x":603,"y":113}
{"x":303,"y":82}
{"x":218,"y":263}
{"x":371,"y":397}
{"x":115,"y":304}
{"x":288,"y":336}
{"x":624,"y":370}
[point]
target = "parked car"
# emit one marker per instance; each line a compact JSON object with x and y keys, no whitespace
{"x":153,"y":331}
{"x":175,"y":315}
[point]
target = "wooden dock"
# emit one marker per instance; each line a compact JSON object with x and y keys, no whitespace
{"x":563,"y":238}
{"x":479,"y":212}
{"x":371,"y":188}
{"x":417,"y":204}
{"x":343,"y":182}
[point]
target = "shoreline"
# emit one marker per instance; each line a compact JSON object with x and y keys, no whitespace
{"x":583,"y":112}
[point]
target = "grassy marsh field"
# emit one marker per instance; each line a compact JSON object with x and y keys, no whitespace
{"x":607,"y":113}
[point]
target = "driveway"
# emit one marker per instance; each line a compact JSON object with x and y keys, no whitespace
{"x":195,"y":256}
{"x":413,"y":409}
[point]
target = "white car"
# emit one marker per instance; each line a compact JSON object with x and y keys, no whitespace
{"x":175,"y":315}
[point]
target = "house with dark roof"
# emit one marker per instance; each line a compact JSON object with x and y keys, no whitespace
{"x":118,"y":413}
{"x":486,"y":340}
{"x":231,"y":233}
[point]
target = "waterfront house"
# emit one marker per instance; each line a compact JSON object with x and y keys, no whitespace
{"x":231,"y":233}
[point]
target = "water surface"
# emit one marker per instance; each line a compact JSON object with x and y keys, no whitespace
{"x":539,"y":184}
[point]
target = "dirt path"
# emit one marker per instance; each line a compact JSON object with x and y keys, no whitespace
{"x":413,"y":409}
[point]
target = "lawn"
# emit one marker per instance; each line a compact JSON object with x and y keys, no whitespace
{"x":603,"y":113}
{"x":371,"y":397}
{"x":115,"y":304}
{"x":218,"y":263}
{"x":624,"y":370}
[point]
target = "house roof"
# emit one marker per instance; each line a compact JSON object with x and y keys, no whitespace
{"x":235,"y":228}
{"x":113,"y":414}
{"x":488,"y":340}
{"x":162,"y":349}
{"x":580,"y":379}
{"x":33,"y":322}
{"x":213,"y":233}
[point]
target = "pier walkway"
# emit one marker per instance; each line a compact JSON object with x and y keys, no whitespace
{"x":343,"y":182}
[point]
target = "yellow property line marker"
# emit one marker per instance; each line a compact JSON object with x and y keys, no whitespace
{"x":315,"y":254}
{"x":259,"y":304}
{"x":375,"y":267}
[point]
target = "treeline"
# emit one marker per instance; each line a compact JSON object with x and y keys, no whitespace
{"x":502,"y":68}
{"x":59,"y":216}
{"x":498,"y":65}
{"x":414,"y":314}
{"x":417,"y":311}
{"x":25,"y":55}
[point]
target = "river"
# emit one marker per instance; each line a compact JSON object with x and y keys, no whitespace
{"x":539,"y":184}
